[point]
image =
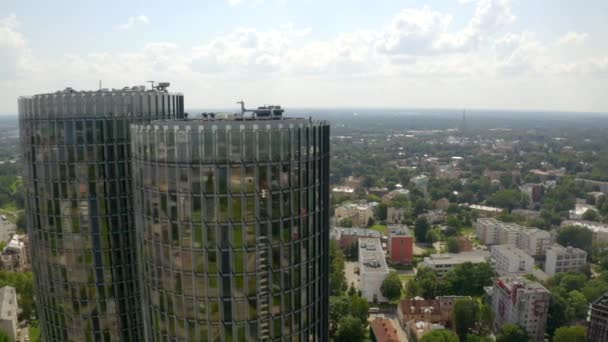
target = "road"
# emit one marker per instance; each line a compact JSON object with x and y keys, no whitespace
{"x":349,"y":273}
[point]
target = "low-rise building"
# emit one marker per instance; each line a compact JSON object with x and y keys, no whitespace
{"x":516,"y":300}
{"x":486,"y":211}
{"x":438,"y":310}
{"x":564,"y":259}
{"x":7,"y":229}
{"x":14,"y":255}
{"x":372,"y":268}
{"x":510,"y":259}
{"x":533,"y":241}
{"x":343,"y":191}
{"x":386,"y":198}
{"x":383,"y":330}
{"x":8,"y":312}
{"x":443,"y":263}
{"x":359,"y":214}
{"x":400,"y":245}
{"x":600,"y":230}
{"x":395,"y":215}
{"x":579,"y":211}
{"x":598,"y":320}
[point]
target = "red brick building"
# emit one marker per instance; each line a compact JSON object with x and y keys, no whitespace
{"x":400,"y":245}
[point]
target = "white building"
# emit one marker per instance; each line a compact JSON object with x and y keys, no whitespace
{"x":491,"y":231}
{"x":8,"y":312}
{"x":443,"y":263}
{"x":372,"y":268}
{"x":579,"y":211}
{"x":516,"y":300}
{"x":395,"y":215}
{"x":358,"y":213}
{"x":564,"y":259}
{"x":510,"y":259}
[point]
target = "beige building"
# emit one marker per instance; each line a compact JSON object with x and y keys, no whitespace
{"x":14,"y":257}
{"x":533,"y":241}
{"x":8,"y":312}
{"x":395,"y":215}
{"x":510,"y":259}
{"x":358,"y":213}
{"x":443,"y":263}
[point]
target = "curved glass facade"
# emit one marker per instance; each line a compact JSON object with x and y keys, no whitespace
{"x":232,"y":221}
{"x":79,"y":208}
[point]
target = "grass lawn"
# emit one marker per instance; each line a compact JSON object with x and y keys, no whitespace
{"x":466,"y":231}
{"x":34,"y":334}
{"x":380,"y":228}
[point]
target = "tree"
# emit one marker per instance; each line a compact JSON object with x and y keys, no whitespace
{"x":578,"y":305}
{"x":468,"y":279}
{"x":591,"y":215}
{"x":351,"y":330}
{"x":4,"y":337}
{"x":337,"y":280}
{"x":579,"y":237}
{"x":441,"y":335}
{"x":472,"y":318}
{"x":346,"y":222}
{"x":391,"y":286}
{"x":477,"y":338}
{"x":594,"y":289}
{"x":452,"y":244}
{"x":507,"y":199}
{"x":339,"y":307}
{"x":512,"y":333}
{"x":421,"y":227}
{"x":570,"y":334}
{"x":359,"y":308}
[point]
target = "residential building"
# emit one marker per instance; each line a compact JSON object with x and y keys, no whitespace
{"x":383,"y":330}
{"x":435,"y":216}
{"x":78,"y":203}
{"x":8,"y":312}
{"x":359,"y":214}
{"x":400,"y":245}
{"x":395,"y":215}
{"x":343,"y":191}
{"x":338,"y":232}
{"x":438,"y":310}
{"x":443,"y":263}
{"x":386,"y":198}
{"x":600,"y":230}
{"x":7,"y":229}
{"x":14,"y":256}
{"x":598,"y":320}
{"x":601,"y":186}
{"x":533,"y":241}
{"x":372,"y":268}
{"x":533,"y":193}
{"x":564,"y":259}
{"x":510,"y":259}
{"x":516,"y":300}
{"x":464,"y":244}
{"x":225,"y":199}
{"x":486,"y":211}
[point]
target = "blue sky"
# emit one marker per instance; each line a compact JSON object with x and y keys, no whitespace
{"x":502,"y":54}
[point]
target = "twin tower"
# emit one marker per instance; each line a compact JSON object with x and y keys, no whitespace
{"x":146,"y":225}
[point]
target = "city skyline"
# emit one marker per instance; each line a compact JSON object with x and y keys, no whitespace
{"x":493,"y":54}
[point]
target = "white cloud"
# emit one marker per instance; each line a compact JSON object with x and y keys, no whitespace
{"x":15,"y":56}
{"x":234,"y":2}
{"x":133,"y":21}
{"x":573,"y":38}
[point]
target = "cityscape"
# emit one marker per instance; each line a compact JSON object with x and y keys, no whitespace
{"x":272,"y":170}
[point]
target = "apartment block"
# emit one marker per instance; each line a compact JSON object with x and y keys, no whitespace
{"x":564,"y":259}
{"x":400,"y":245}
{"x":491,"y":231}
{"x":516,"y":300}
{"x":598,"y":320}
{"x":373,"y":269}
{"x":510,"y":259}
{"x":8,"y":312}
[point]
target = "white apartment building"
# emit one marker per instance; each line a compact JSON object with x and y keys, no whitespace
{"x":443,"y":263}
{"x":491,"y":231}
{"x":510,"y":259}
{"x":8,"y":312}
{"x":564,"y":259}
{"x":373,"y":269}
{"x":395,"y":215}
{"x":358,"y":213}
{"x":516,"y":300}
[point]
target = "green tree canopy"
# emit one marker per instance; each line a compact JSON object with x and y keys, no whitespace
{"x":351,"y":330}
{"x":421,"y":227}
{"x":391,"y":286}
{"x":570,"y":334}
{"x":441,"y":335}
{"x":579,"y":237}
{"x":452,"y":244}
{"x":512,"y":333}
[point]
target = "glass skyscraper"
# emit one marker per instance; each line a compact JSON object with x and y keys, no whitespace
{"x":232,"y":222}
{"x":79,"y":212}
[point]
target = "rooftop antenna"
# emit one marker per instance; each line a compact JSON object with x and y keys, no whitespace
{"x":151,"y":84}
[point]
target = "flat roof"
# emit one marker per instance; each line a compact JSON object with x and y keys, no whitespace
{"x":371,"y":256}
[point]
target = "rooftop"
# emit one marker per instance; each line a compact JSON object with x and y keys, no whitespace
{"x":559,"y":249}
{"x":371,"y":256}
{"x":8,"y":303}
{"x":458,"y":258}
{"x":384,"y":331}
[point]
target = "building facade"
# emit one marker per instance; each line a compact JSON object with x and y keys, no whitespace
{"x":232,"y":217}
{"x":400,"y":245}
{"x":516,"y":300}
{"x":443,"y":263}
{"x":598,"y":320}
{"x":510,"y":259}
{"x":77,"y":178}
{"x":564,"y":259}
{"x":533,"y":241}
{"x":9,"y":309}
